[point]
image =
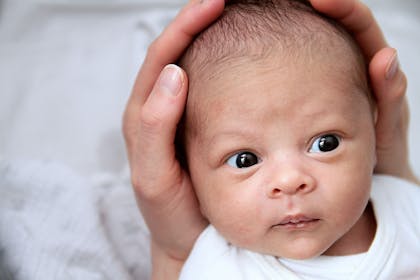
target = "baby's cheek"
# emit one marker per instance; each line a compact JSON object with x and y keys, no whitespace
{"x":203,"y":203}
{"x":238,"y":227}
{"x":237,"y":234}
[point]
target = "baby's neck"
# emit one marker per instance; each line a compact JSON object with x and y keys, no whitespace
{"x":358,"y":239}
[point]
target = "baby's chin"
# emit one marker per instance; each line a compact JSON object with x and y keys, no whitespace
{"x":299,"y":252}
{"x":299,"y":255}
{"x":305,"y":247}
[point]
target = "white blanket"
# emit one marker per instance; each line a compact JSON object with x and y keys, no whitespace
{"x":54,"y":224}
{"x":66,"y":70}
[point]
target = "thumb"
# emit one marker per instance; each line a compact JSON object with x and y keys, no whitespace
{"x":154,"y":159}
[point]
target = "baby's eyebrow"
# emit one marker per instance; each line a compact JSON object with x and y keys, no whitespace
{"x":233,"y":134}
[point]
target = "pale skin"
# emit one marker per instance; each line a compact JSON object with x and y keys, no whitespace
{"x":165,"y":194}
{"x":275,"y":112}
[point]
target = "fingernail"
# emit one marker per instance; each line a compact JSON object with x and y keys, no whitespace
{"x":392,"y":67}
{"x":197,"y":1}
{"x":170,"y":80}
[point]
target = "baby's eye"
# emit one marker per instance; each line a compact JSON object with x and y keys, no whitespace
{"x":325,"y":143}
{"x":243,"y":160}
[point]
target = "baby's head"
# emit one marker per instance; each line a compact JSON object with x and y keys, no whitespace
{"x":278,"y":131}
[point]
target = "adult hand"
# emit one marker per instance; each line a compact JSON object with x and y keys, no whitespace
{"x":163,"y":190}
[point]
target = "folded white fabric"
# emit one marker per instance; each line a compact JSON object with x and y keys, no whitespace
{"x":53,"y":225}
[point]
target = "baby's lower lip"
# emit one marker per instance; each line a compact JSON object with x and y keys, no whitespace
{"x":297,"y":225}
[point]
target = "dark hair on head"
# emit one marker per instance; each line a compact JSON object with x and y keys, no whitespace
{"x":254,"y":28}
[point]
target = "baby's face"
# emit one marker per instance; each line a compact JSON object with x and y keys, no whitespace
{"x":282,"y":159}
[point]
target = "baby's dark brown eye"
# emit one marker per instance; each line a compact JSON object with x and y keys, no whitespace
{"x":325,"y":143}
{"x":243,"y":160}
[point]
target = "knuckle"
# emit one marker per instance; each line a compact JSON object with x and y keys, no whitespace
{"x":154,"y":183}
{"x":150,"y":121}
{"x":146,"y":190}
{"x":368,"y":13}
{"x":143,"y":190}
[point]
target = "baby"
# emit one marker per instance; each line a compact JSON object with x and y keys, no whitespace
{"x":279,"y":139}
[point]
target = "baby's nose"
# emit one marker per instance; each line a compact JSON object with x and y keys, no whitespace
{"x":291,"y":180}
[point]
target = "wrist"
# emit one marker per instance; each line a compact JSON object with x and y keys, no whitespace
{"x":164,"y":266}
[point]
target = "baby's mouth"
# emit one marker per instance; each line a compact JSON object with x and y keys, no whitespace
{"x":296,"y":222}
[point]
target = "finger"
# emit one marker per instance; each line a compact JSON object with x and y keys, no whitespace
{"x":169,"y":46}
{"x":389,"y":85}
{"x":358,"y":19}
{"x":157,"y":128}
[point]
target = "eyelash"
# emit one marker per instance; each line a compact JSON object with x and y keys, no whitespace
{"x":243,"y":157}
{"x":335,"y":144}
{"x":250,"y":159}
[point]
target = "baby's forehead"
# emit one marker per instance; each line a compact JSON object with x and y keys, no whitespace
{"x":252,"y":83}
{"x":340,"y":68}
{"x":339,"y":61}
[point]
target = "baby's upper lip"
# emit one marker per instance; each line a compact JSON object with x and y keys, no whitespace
{"x":296,"y":219}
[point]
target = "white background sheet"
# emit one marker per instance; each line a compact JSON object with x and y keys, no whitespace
{"x":66,"y":70}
